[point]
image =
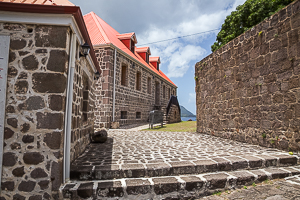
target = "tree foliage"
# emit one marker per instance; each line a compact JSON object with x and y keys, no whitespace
{"x":245,"y":17}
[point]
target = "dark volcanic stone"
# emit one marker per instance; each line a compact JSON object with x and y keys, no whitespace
{"x":133,"y":170}
{"x":13,"y":122}
{"x":165,"y":185}
{"x":138,"y":186}
{"x":36,"y":197}
{"x":193,"y":183}
{"x":12,"y":56}
{"x":9,"y":159}
{"x":49,"y":82}
{"x":15,"y":145}
{"x":99,"y":136}
{"x":28,"y":138}
{"x":17,"y":44}
{"x":8,"y":133}
{"x":182,"y":167}
{"x":18,"y":197}
{"x":8,"y":185}
{"x":243,"y":178}
{"x":18,"y":172}
{"x":110,"y":189}
{"x":51,"y":36}
{"x":205,"y":166}
{"x":49,"y":120}
{"x":25,"y":128}
{"x":56,"y":102}
{"x":216,"y":181}
{"x":21,"y":87}
{"x":53,"y":140}
{"x":43,"y":184}
{"x":34,"y":103}
{"x":56,"y":175}
{"x":33,"y":158}
{"x":85,"y":190}
{"x":30,"y":63}
{"x":38,"y":173}
{"x":57,"y":61}
{"x":158,"y":169}
{"x":26,"y":186}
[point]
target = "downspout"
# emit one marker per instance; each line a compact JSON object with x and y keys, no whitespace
{"x":114,"y":90}
{"x":68,"y":112}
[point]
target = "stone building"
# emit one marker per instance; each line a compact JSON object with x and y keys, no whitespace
{"x":249,"y":90}
{"x":132,"y":83}
{"x":46,"y":95}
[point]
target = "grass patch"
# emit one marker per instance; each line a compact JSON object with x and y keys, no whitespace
{"x":184,"y":126}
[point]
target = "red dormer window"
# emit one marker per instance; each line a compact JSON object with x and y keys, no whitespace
{"x":155,"y":61}
{"x":144,"y":52}
{"x":129,"y":40}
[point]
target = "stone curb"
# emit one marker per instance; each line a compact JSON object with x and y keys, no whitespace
{"x":108,"y":172}
{"x":182,"y":187}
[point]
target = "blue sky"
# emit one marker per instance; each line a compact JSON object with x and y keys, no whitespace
{"x":158,"y":20}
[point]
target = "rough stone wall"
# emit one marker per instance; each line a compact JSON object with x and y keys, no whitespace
{"x":36,"y":92}
{"x":127,"y":97}
{"x":82,"y":128}
{"x":249,"y":90}
{"x":173,"y":115}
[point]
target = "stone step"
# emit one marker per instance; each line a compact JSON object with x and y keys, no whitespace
{"x":172,"y":187}
{"x":230,"y":163}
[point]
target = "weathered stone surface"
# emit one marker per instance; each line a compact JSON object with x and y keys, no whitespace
{"x":205,"y":166}
{"x":8,"y":185}
{"x":53,"y":140}
{"x":105,"y":172}
{"x":51,"y":36}
{"x":49,"y":120}
{"x":15,"y":146}
{"x":38,"y":173}
{"x":110,"y":189}
{"x":18,"y":172}
{"x":17,"y":44}
{"x":30,"y":63}
{"x":21,"y":87}
{"x":12,"y":56}
{"x":216,"y":181}
{"x":100,"y":136}
{"x":43,"y":184}
{"x":138,"y":186}
{"x":243,"y":178}
{"x":85,"y":190}
{"x":33,"y":158}
{"x":26,"y":186}
{"x":33,"y":103}
{"x":13,"y":122}
{"x":158,"y":169}
{"x":277,"y":173}
{"x":18,"y":197}
{"x":165,"y":185}
{"x":56,"y":102}
{"x":133,"y":170}
{"x":9,"y":159}
{"x":28,"y":138}
{"x":193,"y":183}
{"x":25,"y":128}
{"x":57,"y":61}
{"x":36,"y":197}
{"x":9,"y":109}
{"x":49,"y":82}
{"x":8,"y":133}
{"x":183,"y":167}
{"x":56,"y":175}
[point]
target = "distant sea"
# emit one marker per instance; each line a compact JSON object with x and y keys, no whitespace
{"x":187,"y":118}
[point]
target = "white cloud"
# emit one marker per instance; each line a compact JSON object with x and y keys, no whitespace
{"x":192,"y":98}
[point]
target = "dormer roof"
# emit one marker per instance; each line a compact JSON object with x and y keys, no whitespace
{"x":143,"y":50}
{"x":154,"y":59}
{"x":127,"y":36}
{"x":102,"y":33}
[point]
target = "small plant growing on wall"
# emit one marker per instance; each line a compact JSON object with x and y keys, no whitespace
{"x":275,"y":35}
{"x":201,"y":68}
{"x":264,"y":135}
{"x":260,"y":33}
{"x":196,"y":78}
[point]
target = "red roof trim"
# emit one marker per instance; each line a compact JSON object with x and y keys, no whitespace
{"x":74,"y":10}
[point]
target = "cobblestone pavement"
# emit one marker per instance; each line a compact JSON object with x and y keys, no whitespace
{"x":279,"y":189}
{"x":142,"y":147}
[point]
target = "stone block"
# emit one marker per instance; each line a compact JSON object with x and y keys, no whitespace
{"x":138,"y":186}
{"x":30,"y":63}
{"x":38,"y":173}
{"x":21,"y":87}
{"x":17,"y":44}
{"x":8,"y":186}
{"x":53,"y":140}
{"x":277,"y":173}
{"x":182,"y":167}
{"x":107,"y":172}
{"x":9,"y":159}
{"x":49,"y":120}
{"x":100,"y":136}
{"x":56,"y":102}
{"x":216,"y":181}
{"x":110,"y":189}
{"x":26,"y":186}
{"x":223,"y":165}
{"x":57,"y":61}
{"x":18,"y":172}
{"x":82,"y":173}
{"x":165,"y":185}
{"x":33,"y":103}
{"x":51,"y":36}
{"x":49,"y":83}
{"x":193,"y":183}
{"x":203,"y":166}
{"x":56,"y":175}
{"x":254,"y":162}
{"x":33,"y":158}
{"x":133,"y":170}
{"x":160,"y":169}
{"x":261,"y":176}
{"x":237,"y":163}
{"x":85,"y":190}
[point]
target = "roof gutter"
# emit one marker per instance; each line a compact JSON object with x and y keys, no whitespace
{"x":51,"y":9}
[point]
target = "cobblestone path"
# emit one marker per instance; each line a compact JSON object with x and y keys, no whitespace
{"x":166,"y":147}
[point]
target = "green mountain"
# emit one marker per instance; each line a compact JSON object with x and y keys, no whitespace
{"x":185,"y":112}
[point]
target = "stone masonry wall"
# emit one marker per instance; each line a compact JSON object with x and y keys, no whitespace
{"x":249,"y":90}
{"x":36,"y":92}
{"x":127,"y":97}
{"x":174,"y":115}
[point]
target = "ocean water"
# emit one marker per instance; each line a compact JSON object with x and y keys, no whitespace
{"x":187,"y":118}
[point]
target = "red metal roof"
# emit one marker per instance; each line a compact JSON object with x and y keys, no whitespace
{"x":154,"y":59}
{"x":51,"y":7}
{"x":143,"y":50}
{"x":102,"y":33}
{"x":42,"y":2}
